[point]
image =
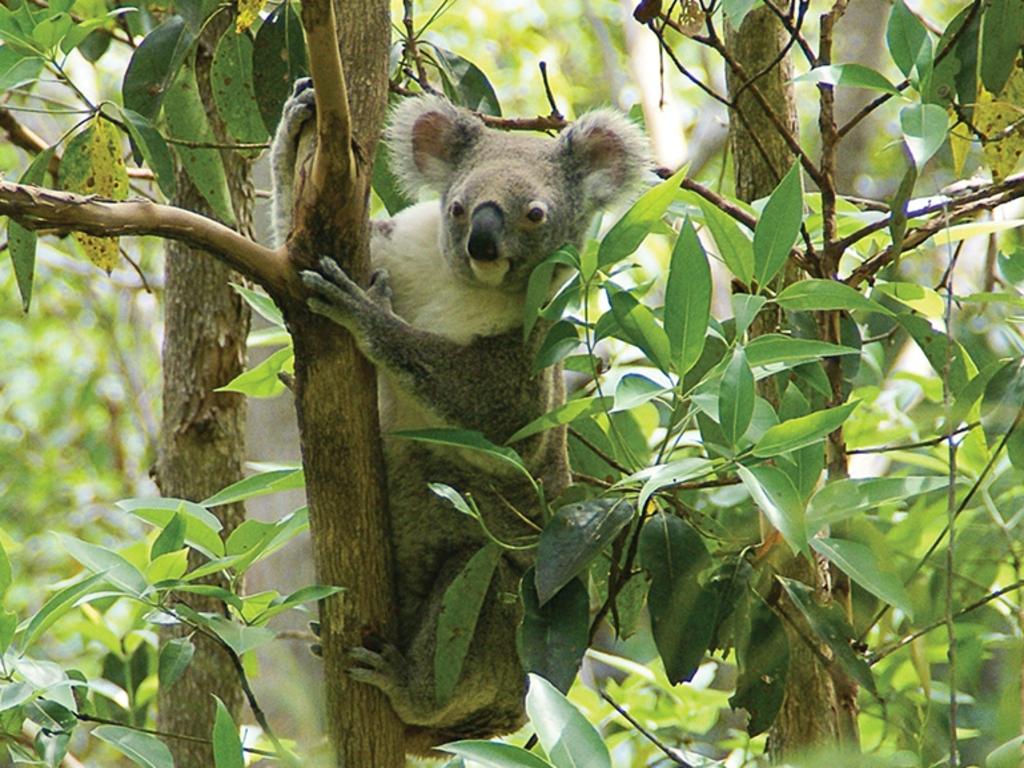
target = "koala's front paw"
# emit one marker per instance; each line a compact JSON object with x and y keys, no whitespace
{"x":300,"y":107}
{"x":336,"y":295}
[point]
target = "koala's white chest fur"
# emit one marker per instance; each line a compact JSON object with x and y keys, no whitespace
{"x":428,"y":295}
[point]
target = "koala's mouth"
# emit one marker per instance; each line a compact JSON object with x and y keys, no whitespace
{"x":492,"y":272}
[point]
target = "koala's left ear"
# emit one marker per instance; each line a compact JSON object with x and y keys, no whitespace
{"x":606,"y":154}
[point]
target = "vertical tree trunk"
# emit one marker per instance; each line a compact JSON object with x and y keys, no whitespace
{"x":335,"y":392}
{"x":812,"y":713}
{"x":202,"y":439}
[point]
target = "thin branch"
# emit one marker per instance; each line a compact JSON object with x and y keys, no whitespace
{"x":84,"y":718}
{"x":555,"y":113}
{"x":610,"y":460}
{"x":794,"y":32}
{"x":36,"y":207}
{"x":952,"y":209}
{"x":669,"y":752}
{"x":920,"y":444}
{"x":908,"y":639}
{"x":411,"y":49}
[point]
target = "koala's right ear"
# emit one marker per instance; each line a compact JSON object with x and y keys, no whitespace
{"x":428,"y":139}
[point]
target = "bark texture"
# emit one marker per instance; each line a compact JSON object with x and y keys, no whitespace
{"x":202,"y":439}
{"x":812,"y":713}
{"x":335,"y":391}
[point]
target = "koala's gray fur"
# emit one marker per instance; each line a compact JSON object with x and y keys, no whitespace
{"x":444,"y":329}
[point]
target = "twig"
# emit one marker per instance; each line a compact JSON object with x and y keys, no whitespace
{"x":555,"y":113}
{"x":164,"y":734}
{"x":411,"y":50}
{"x":794,"y":34}
{"x":669,"y":752}
{"x":908,"y":639}
{"x":919,"y":444}
{"x":611,"y":460}
{"x":217,"y":144}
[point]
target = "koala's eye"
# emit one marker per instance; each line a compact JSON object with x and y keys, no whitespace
{"x":536,"y":212}
{"x":457,"y":210}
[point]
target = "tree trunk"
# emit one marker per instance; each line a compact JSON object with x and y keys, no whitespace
{"x":336,"y":402}
{"x":812,"y":713}
{"x":202,"y":439}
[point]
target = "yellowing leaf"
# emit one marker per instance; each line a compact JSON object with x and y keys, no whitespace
{"x":248,"y":12}
{"x":959,"y":146}
{"x":93,"y":165}
{"x":1001,"y":125}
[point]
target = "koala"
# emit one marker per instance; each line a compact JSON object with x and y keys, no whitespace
{"x":442,"y":320}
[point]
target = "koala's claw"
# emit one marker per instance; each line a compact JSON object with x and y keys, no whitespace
{"x":299,"y":108}
{"x":383,"y":670}
{"x":300,"y":85}
{"x":379,"y":290}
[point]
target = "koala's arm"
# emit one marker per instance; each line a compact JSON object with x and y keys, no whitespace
{"x":298,"y":111}
{"x":484,"y":385}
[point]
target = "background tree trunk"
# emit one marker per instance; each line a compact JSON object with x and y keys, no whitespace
{"x":202,"y":439}
{"x":812,"y":713}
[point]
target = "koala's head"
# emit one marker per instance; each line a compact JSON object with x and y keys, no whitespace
{"x":508,"y":200}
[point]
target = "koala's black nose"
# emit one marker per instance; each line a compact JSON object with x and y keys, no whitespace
{"x":485,"y":232}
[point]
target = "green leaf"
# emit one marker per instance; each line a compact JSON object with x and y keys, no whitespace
{"x":793,"y":434}
{"x":141,"y":748}
{"x":829,"y":622}
{"x":733,"y":243}
{"x":682,"y":613}
{"x":564,"y":733}
{"x":566,"y":413}
{"x":745,"y":307}
{"x":154,"y":150}
{"x":736,"y":398}
{"x":187,"y":121}
{"x":259,"y":484}
{"x":386,"y":184}
{"x":464,"y":438}
{"x":175,"y":656}
{"x":561,"y":339}
{"x":817,"y":294}
{"x":494,"y":754}
{"x":538,"y":289}
{"x":1002,"y":403}
{"x":1006,"y":755}
{"x":238,"y":637}
{"x":850,"y":75}
{"x":21,"y":241}
{"x":639,"y":326}
{"x":154,"y":66}
{"x":456,"y":623}
{"x":841,"y":499}
{"x":573,"y":537}
{"x":687,"y":299}
{"x":779,"y":500}
{"x":628,"y":232}
{"x":171,"y":538}
{"x":263,"y":380}
{"x":231,"y":80}
{"x":278,"y":60}
{"x":924,"y":129}
{"x":57,"y":606}
{"x":552,"y":639}
{"x":778,"y":226}
{"x":315,"y":592}
{"x":115,"y":568}
{"x":1001,"y":38}
{"x":763,"y":659}
{"x":227,"y":746}
{"x":202,"y":529}
{"x":907,"y":39}
{"x":262,"y":304}
{"x":465,"y":83}
{"x":634,"y":389}
{"x":775,"y":348}
{"x":15,"y":67}
{"x":935,"y":345}
{"x":859,"y":563}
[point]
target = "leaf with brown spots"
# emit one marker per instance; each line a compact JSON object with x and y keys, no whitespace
{"x":1000,"y":125}
{"x":93,"y":165}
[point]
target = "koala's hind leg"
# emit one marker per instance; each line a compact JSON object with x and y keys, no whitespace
{"x":298,"y":110}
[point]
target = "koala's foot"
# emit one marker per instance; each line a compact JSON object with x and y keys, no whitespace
{"x":299,"y":108}
{"x":338,"y":297}
{"x":387,"y":670}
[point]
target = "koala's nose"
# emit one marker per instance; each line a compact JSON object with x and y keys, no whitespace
{"x":485,"y":232}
